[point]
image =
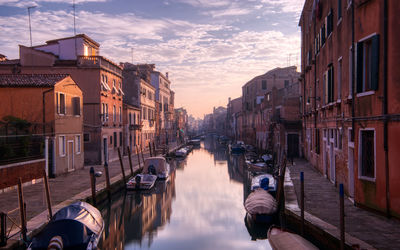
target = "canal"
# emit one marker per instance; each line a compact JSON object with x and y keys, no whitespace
{"x":199,"y":207}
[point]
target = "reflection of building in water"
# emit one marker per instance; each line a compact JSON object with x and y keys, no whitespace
{"x":235,"y":167}
{"x":218,"y":150}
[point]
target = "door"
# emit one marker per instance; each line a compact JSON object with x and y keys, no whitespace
{"x":332,"y":163}
{"x":351,"y":171}
{"x":293,"y":145}
{"x":71,"y":166}
{"x":105,"y":150}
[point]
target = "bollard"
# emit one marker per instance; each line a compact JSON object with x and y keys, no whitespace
{"x":302,"y":201}
{"x":3,"y":235}
{"x":150,"y":149}
{"x":22,"y":209}
{"x":122,"y":165}
{"x":341,"y":198}
{"x":138,"y":156}
{"x":107,"y":178}
{"x":130,"y":160}
{"x":47,"y":189}
{"x":93,"y":185}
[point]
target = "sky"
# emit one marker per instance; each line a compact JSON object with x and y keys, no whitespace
{"x":210,"y":48}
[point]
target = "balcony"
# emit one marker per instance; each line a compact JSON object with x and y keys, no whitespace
{"x":99,"y":62}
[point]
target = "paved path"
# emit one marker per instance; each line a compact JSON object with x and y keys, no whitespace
{"x":62,"y":188}
{"x":322,"y":201}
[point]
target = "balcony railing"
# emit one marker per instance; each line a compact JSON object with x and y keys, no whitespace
{"x":99,"y":61}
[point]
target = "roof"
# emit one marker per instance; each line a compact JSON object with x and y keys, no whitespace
{"x":66,"y":38}
{"x":30,"y":80}
{"x":10,"y":62}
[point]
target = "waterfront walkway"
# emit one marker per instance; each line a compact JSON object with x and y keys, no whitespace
{"x":62,"y":188}
{"x":322,"y":201}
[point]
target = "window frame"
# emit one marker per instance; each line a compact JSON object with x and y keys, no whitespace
{"x":360,"y":176}
{"x":78,"y":144}
{"x":365,"y":68}
{"x":62,"y":147}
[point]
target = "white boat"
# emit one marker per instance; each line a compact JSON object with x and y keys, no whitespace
{"x":282,"y":240}
{"x":157,"y":166}
{"x":261,"y":206}
{"x":260,"y":181}
{"x":141,"y":181}
{"x":182,"y":152}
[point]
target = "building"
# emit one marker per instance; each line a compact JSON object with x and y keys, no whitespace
{"x":51,"y":104}
{"x":132,"y":127}
{"x":140,"y":93}
{"x":253,"y":92}
{"x":100,"y":80}
{"x":351,"y":105}
{"x":181,"y":124}
{"x":234,"y":108}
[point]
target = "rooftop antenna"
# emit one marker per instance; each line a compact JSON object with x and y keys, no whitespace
{"x":132,"y":54}
{"x":30,"y":27}
{"x":73,"y":6}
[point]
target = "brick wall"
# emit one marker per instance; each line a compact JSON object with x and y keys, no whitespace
{"x":30,"y":170}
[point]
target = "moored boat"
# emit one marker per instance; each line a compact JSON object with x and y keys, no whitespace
{"x":260,"y":205}
{"x":237,"y":148}
{"x":141,"y":181}
{"x":157,"y":166}
{"x":266,"y":182}
{"x":283,"y":240}
{"x":76,"y":226}
{"x":182,"y":152}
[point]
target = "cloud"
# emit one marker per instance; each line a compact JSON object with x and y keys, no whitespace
{"x":288,"y":6}
{"x":26,"y":3}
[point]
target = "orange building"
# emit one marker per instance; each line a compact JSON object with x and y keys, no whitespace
{"x":55,"y":102}
{"x":351,"y":102}
{"x":100,"y":80}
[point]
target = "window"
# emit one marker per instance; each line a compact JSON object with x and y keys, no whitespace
{"x":329,"y":23}
{"x":367,"y":154}
{"x":86,"y":137}
{"x":114,"y":113}
{"x":350,"y":72}
{"x":130,"y":118}
{"x":61,"y":107}
{"x":317,"y":141}
{"x":286,"y":83}
{"x":368,"y":64}
{"x":328,"y":85}
{"x":339,"y":9}
{"x":107,"y":112}
{"x":339,"y":79}
{"x":85,"y":50}
{"x":61,"y":144}
{"x":111,"y":140}
{"x":134,"y":120}
{"x":340,"y":138}
{"x":264,"y":84}
{"x":120,"y":139}
{"x":115,"y":139}
{"x":76,"y":105}
{"x":120,"y":114}
{"x":78,"y":144}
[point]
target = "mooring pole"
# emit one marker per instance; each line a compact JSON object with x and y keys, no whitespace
{"x":154,"y":149}
{"x":93,"y":185}
{"x":3,"y":229}
{"x":130,"y":160}
{"x":47,"y":188}
{"x":122,"y":165}
{"x":138,"y":155}
{"x":302,"y":201}
{"x":141,"y":150}
{"x":22,"y":209}
{"x":150,"y":149}
{"x":107,"y":178}
{"x":341,"y":198}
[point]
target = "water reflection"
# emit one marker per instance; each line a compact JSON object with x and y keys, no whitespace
{"x":200,"y":207}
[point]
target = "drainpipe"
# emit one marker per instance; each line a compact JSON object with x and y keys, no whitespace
{"x":352,"y":72}
{"x":385,"y":103}
{"x":315,"y":83}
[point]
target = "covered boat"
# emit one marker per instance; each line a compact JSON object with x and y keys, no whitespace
{"x":141,"y":181}
{"x":77,"y":226}
{"x":156,"y":166}
{"x":264,"y":181}
{"x":282,"y":240}
{"x":182,"y":152}
{"x":261,"y":206}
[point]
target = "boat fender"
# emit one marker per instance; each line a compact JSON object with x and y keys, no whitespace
{"x":56,"y":243}
{"x":264,"y":183}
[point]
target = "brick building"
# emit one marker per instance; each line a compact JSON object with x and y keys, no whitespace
{"x":351,"y":105}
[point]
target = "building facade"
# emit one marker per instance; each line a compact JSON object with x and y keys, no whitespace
{"x":351,"y":104}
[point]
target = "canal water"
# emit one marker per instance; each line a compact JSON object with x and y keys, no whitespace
{"x":199,"y":207}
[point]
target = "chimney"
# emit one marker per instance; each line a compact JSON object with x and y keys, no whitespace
{"x":166,"y":75}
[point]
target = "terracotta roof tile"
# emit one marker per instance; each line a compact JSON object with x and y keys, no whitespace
{"x":30,"y":80}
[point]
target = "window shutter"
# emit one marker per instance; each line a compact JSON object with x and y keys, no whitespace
{"x":359,"y":66}
{"x":76,"y":105}
{"x":375,"y":63}
{"x":57,"y":104}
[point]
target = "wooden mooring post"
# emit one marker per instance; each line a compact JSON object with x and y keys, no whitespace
{"x":47,"y":189}
{"x":150,"y":149}
{"x":302,"y":201}
{"x":341,"y":199}
{"x":3,"y":229}
{"x":22,"y":209}
{"x":107,"y":178}
{"x":154,"y":149}
{"x":141,"y":150}
{"x":130,"y":160}
{"x":122,"y":165}
{"x":93,"y":185}
{"x":138,"y":155}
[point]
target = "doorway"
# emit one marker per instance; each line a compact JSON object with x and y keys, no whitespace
{"x":293,"y":145}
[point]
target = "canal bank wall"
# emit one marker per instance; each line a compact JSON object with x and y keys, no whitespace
{"x":321,"y":233}
{"x":117,"y":183}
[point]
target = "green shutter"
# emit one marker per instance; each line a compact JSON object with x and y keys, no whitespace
{"x":375,"y":63}
{"x":359,"y":66}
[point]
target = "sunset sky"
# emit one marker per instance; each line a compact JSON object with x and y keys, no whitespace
{"x":209,"y":47}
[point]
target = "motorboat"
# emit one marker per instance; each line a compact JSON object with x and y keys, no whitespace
{"x":141,"y":181}
{"x":259,"y":166}
{"x":282,"y":240}
{"x":157,"y":166}
{"x":266,"y":182}
{"x":195,"y":142}
{"x":182,"y":152}
{"x":76,"y":226}
{"x":237,"y":147}
{"x":261,"y":206}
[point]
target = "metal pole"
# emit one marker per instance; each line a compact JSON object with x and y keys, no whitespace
{"x":107,"y":178}
{"x":122,"y":165}
{"x":47,"y":189}
{"x":22,"y":209}
{"x":302,"y":201}
{"x":93,"y":185}
{"x":130,"y":160}
{"x":341,"y":198}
